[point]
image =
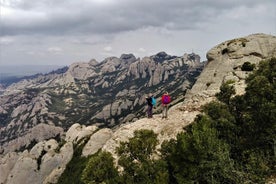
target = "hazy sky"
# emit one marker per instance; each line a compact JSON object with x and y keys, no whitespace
{"x":61,"y":32}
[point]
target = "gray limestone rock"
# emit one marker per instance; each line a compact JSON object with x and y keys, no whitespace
{"x":96,"y":141}
{"x":222,"y":64}
{"x":38,"y":133}
{"x":76,"y":132}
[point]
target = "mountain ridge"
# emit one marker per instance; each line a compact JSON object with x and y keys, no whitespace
{"x":106,"y":94}
{"x":227,"y":66}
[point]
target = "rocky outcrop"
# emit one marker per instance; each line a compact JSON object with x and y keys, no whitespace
{"x":97,"y":141}
{"x":36,"y":134}
{"x":80,"y":71}
{"x":76,"y":132}
{"x":224,"y":64}
{"x":45,"y":162}
{"x":31,"y":120}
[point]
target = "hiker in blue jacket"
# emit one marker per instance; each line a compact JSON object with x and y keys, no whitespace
{"x":150,"y":105}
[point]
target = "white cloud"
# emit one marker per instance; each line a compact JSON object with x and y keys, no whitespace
{"x":54,"y":50}
{"x":142,"y":50}
{"x":32,"y":53}
{"x":6,"y":40}
{"x":81,"y":30}
{"x":108,"y":49}
{"x":102,"y":2}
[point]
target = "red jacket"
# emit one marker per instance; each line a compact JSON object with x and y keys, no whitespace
{"x":166,"y":99}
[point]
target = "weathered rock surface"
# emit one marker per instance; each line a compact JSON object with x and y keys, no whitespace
{"x":36,"y":134}
{"x":45,"y":162}
{"x":76,"y":132}
{"x":96,"y":141}
{"x":36,"y":165}
{"x":224,"y":63}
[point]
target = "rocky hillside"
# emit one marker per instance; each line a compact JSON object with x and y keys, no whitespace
{"x":45,"y":162}
{"x":104,"y":94}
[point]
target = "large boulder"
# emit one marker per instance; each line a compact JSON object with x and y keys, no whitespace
{"x":43,"y":164}
{"x":96,"y":141}
{"x":224,"y":63}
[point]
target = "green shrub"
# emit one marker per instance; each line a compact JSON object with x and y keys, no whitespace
{"x":73,"y":170}
{"x":234,"y":142}
{"x":247,"y":66}
{"x":136,"y":159}
{"x":255,"y":114}
{"x":224,"y":51}
{"x":208,"y":84}
{"x":226,"y":92}
{"x":199,"y":156}
{"x":100,"y":169}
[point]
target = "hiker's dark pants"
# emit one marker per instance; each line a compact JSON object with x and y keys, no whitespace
{"x":149,"y":111}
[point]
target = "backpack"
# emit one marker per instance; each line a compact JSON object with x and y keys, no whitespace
{"x":153,"y":101}
{"x":167,"y":99}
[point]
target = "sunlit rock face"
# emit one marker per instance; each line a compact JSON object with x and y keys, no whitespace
{"x":225,"y":62}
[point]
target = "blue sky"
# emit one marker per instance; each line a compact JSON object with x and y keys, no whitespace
{"x":60,"y":32}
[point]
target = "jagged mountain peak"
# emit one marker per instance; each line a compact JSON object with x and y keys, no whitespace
{"x":162,"y":56}
{"x":128,"y":58}
{"x":93,"y":62}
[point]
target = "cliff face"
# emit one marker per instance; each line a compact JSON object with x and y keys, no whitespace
{"x":224,"y":63}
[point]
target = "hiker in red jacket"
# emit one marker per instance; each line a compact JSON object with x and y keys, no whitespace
{"x":166,"y":99}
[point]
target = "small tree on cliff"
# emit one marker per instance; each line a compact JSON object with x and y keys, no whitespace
{"x":136,"y":158}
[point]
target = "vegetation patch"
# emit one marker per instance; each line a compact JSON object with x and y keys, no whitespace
{"x":39,"y":159}
{"x":27,"y":147}
{"x":224,"y":51}
{"x":238,"y":40}
{"x":247,"y":66}
{"x":58,"y":105}
{"x":72,"y":173}
{"x":208,"y":84}
{"x":60,"y":144}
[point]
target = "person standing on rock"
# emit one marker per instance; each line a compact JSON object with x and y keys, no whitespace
{"x":150,"y":105}
{"x":166,"y":99}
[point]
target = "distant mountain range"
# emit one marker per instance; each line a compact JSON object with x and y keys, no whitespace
{"x":14,"y":73}
{"x":106,"y":94}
